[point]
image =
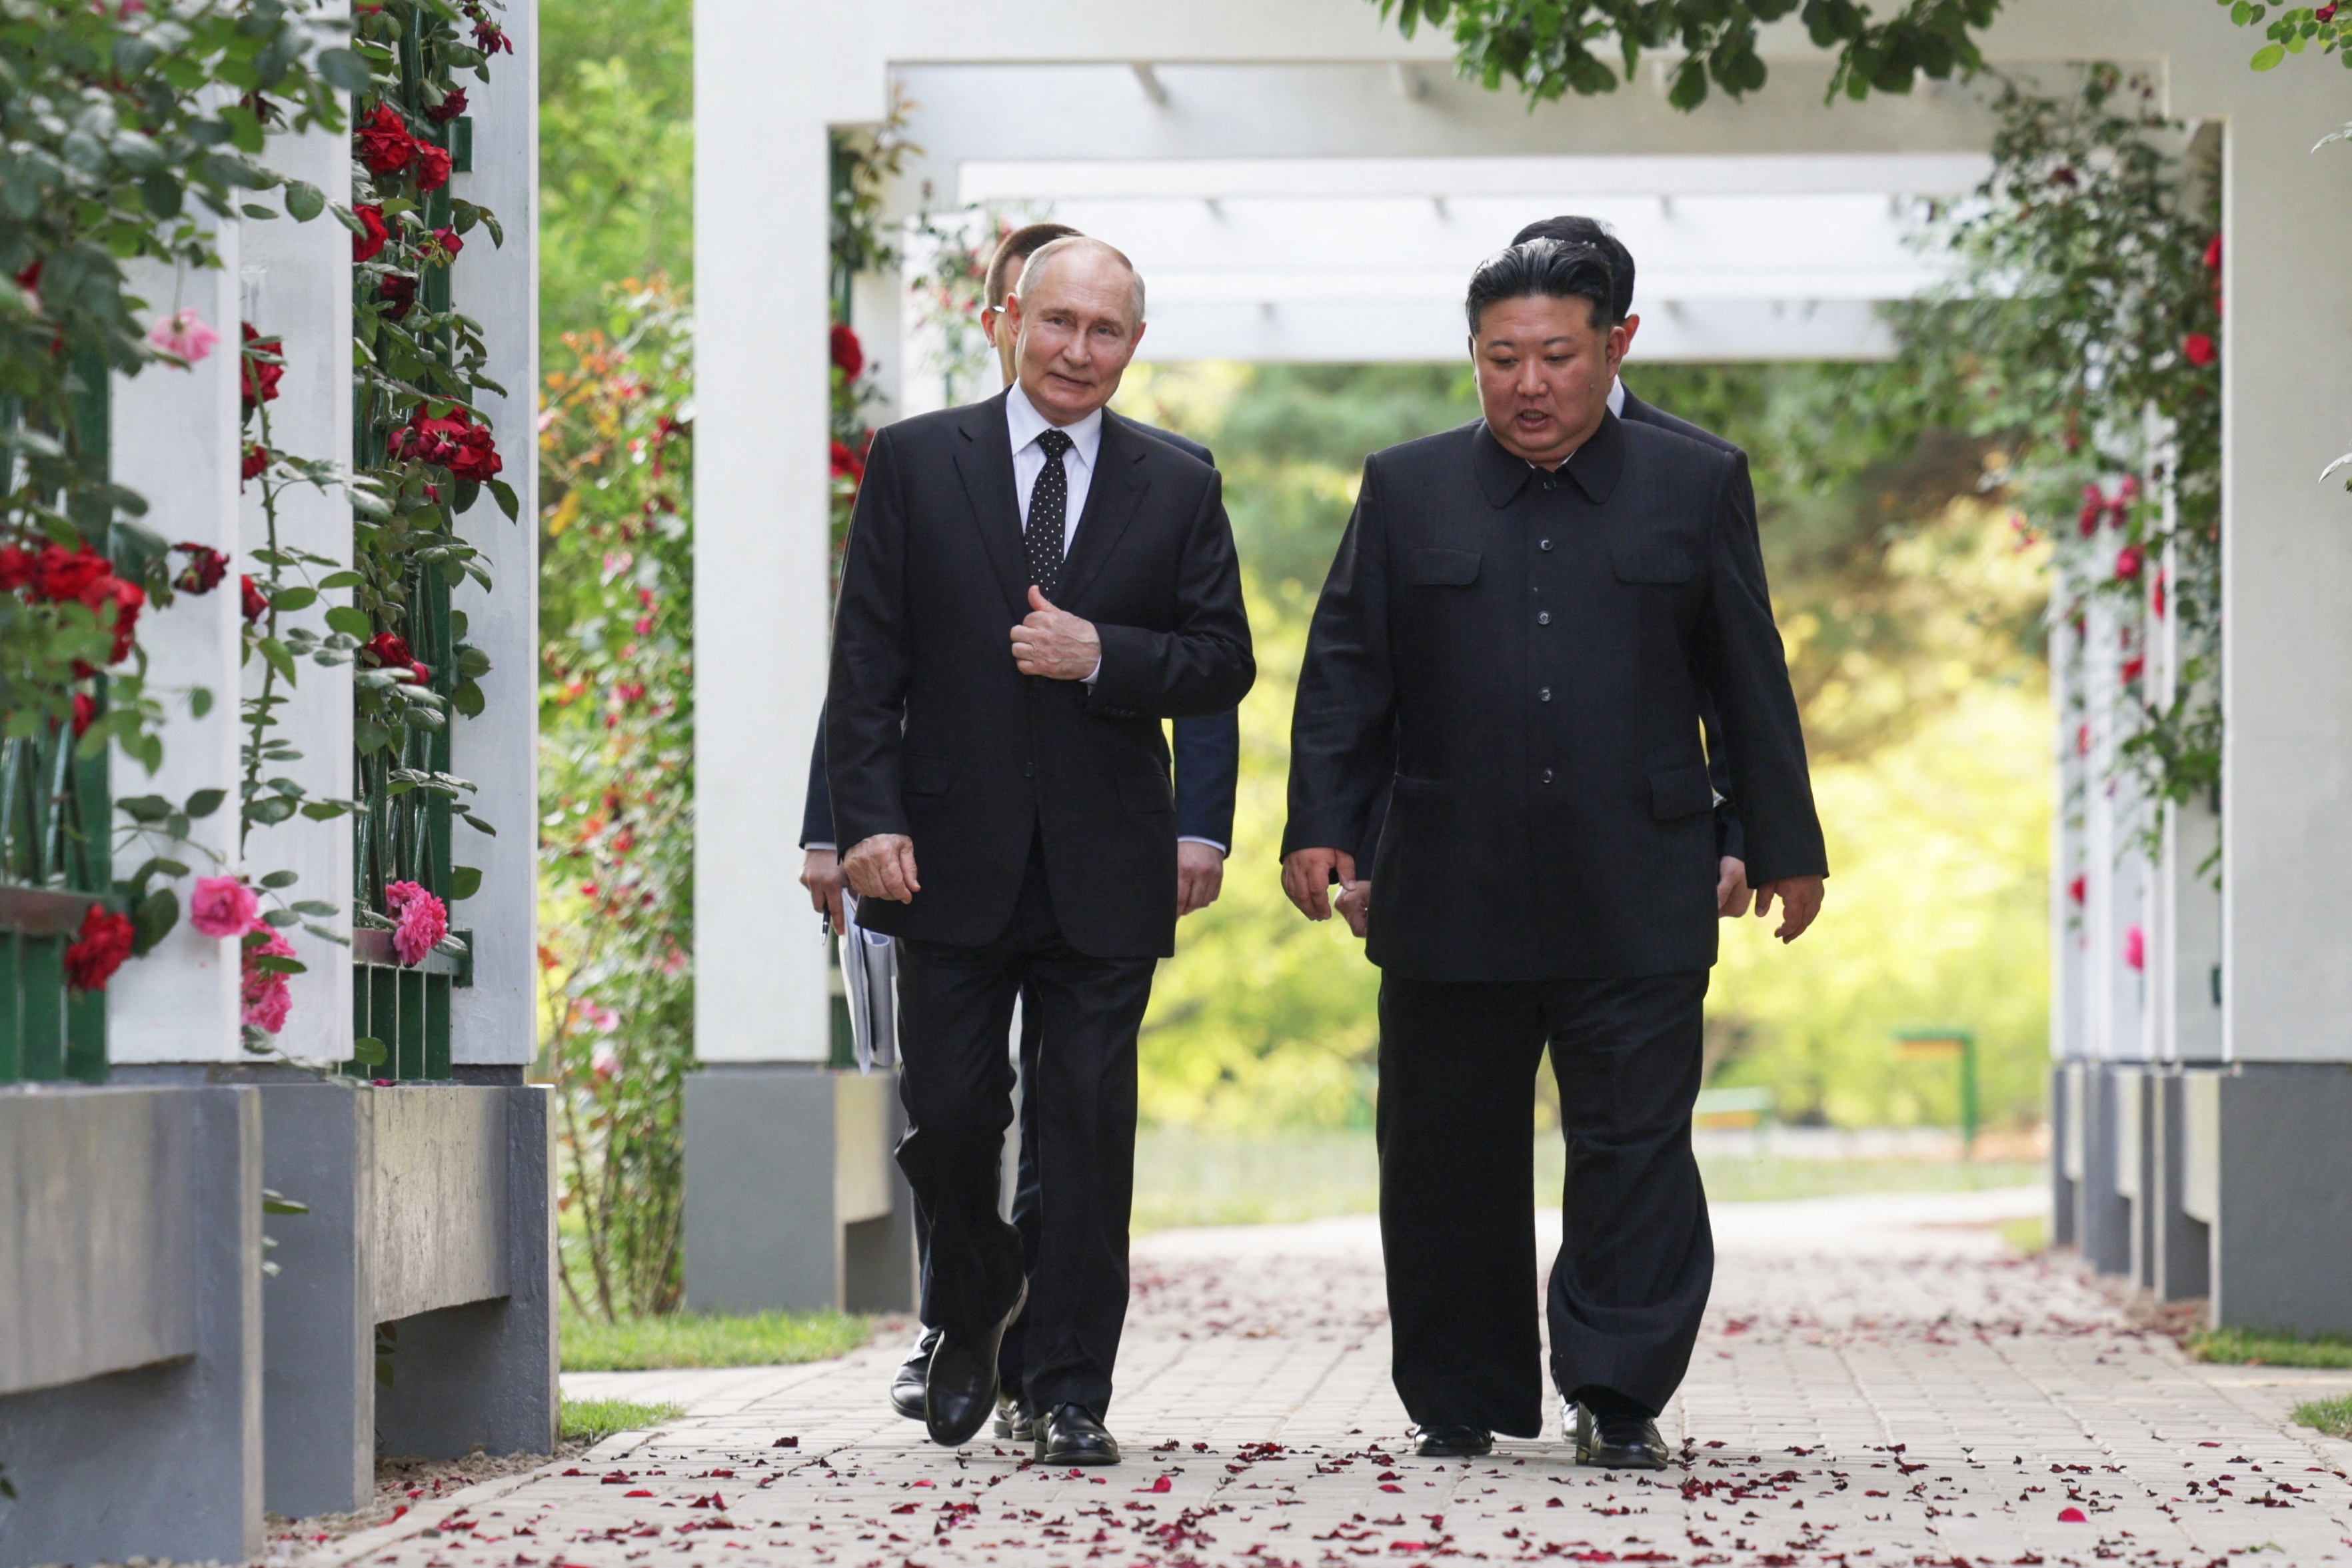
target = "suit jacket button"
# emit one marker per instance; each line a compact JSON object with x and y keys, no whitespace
{"x":1543,"y":694}
{"x":1543,"y":544}
{"x":1543,"y":617}
{"x":1028,"y":771}
{"x":1546,"y":775}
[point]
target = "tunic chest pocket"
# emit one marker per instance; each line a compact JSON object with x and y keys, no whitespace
{"x":1443,"y":568}
{"x":1650,"y":563}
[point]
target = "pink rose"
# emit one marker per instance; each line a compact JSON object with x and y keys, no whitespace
{"x":183,"y":335}
{"x":261,"y":993}
{"x":2136,"y":948}
{"x":223,"y":906}
{"x":423,"y":920}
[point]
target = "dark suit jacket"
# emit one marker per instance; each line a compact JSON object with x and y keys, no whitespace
{"x":1533,"y":644}
{"x":1728,"y":838}
{"x":931,"y":731}
{"x":1208,"y":751}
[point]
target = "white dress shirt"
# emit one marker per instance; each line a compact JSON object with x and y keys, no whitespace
{"x":1020,"y":416}
{"x":1617,"y":397}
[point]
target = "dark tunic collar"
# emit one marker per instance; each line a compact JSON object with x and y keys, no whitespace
{"x":1594,"y":465}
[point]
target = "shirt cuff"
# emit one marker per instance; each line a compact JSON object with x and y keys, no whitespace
{"x":1094,"y":675}
{"x":1191,"y":839}
{"x":816,"y":844}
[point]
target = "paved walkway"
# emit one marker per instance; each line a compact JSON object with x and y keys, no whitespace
{"x":1878,"y":1384}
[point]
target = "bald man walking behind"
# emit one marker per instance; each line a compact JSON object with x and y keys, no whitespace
{"x":1032,"y":584}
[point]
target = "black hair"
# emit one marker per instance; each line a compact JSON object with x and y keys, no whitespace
{"x":1572,"y":230}
{"x":1544,"y":268}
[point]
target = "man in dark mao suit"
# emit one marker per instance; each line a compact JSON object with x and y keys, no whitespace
{"x":1731,"y":890}
{"x":1208,"y":764}
{"x":1523,"y":613}
{"x":1030,"y":586}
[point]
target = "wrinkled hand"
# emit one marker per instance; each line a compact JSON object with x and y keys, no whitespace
{"x":1800,"y":900}
{"x":1053,"y":642}
{"x":1355,"y":905}
{"x":1731,"y":888}
{"x":882,"y":866}
{"x":822,"y":874}
{"x":1200,"y":876}
{"x":1307,"y":878}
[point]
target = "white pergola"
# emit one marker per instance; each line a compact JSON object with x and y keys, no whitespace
{"x":1297,"y":182}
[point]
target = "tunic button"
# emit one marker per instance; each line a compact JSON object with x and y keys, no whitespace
{"x":1546,"y":775}
{"x":1543,"y":617}
{"x":1543,"y":695}
{"x":1543,"y":544}
{"x":1551,"y":484}
{"x":1028,"y":771}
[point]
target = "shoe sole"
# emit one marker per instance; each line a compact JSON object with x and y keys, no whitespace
{"x":912,"y":1409}
{"x":1090,"y":1461}
{"x":1646,"y":1462}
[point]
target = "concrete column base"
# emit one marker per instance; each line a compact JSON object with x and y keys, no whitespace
{"x":2102,"y":1214}
{"x":2181,"y":1268}
{"x":131,"y":1392}
{"x":2066,"y":1153}
{"x":2268,"y":1164}
{"x":431,"y":1211}
{"x":792,"y":1199}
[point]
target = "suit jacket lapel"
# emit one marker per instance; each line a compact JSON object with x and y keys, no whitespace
{"x":1119,"y":484}
{"x":985,"y":463}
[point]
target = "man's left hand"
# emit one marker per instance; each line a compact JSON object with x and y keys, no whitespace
{"x":1800,"y":900}
{"x":1731,"y":888}
{"x":1053,"y":642}
{"x":1200,"y":876}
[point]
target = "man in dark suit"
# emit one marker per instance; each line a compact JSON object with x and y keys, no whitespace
{"x":1208,"y":763}
{"x":1021,"y":756}
{"x":1731,"y":890}
{"x":1523,"y":613}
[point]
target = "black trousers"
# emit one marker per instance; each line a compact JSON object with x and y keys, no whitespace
{"x":1456,"y":1103}
{"x":955,"y":1007}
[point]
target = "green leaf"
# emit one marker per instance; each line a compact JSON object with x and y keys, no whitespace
{"x":281,"y":879}
{"x":304,"y":201}
{"x":275,"y":1202}
{"x":467,"y":699}
{"x":294,"y":598}
{"x":350,"y":622}
{"x":2268,"y":57}
{"x":151,"y":919}
{"x":204,"y":802}
{"x":465,"y":881}
{"x":335,"y":580}
{"x":200,"y":701}
{"x":480,"y":826}
{"x":369,"y":1050}
{"x":343,"y":70}
{"x":317,"y":909}
{"x":503,"y":493}
{"x":144,"y":808}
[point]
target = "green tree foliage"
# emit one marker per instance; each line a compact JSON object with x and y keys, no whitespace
{"x":615,"y":154}
{"x":1547,"y":46}
{"x":616,"y":793}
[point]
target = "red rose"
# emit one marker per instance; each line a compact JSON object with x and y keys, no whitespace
{"x":452,"y":105}
{"x":85,"y":712}
{"x":255,"y":603}
{"x":2077,"y":888}
{"x":384,"y":144}
{"x":490,"y":38}
{"x":15,"y":568}
{"x":205,"y":568}
{"x":398,"y":291}
{"x":2133,"y":669}
{"x":2128,"y":561}
{"x":2157,"y":598}
{"x":129,"y":598}
{"x":422,"y":675}
{"x":2213,"y":252}
{"x":448,"y":240}
{"x":432,"y":167}
{"x":261,"y":375}
{"x":477,"y":457}
{"x":2198,"y":348}
{"x":366,"y":245}
{"x":454,"y":442}
{"x":106,"y":940}
{"x":61,"y":573}
{"x":848,"y":354}
{"x":845,"y":464}
{"x":256,"y":462}
{"x":390,"y":648}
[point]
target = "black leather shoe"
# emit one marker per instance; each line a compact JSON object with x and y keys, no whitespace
{"x":1448,"y":1440}
{"x":961,"y":1392}
{"x":1014,"y":1419}
{"x":1618,"y":1442}
{"x":907,"y":1385}
{"x":1070,"y":1435}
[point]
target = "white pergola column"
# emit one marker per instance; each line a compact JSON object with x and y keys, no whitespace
{"x":174,"y":441}
{"x":494,"y":1022}
{"x":298,"y":288}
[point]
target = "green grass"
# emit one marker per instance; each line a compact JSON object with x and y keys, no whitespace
{"x":1188,"y":1175}
{"x":2246,"y":1347}
{"x":2333,"y":1417}
{"x":682,"y":1339}
{"x":2028,"y":1235}
{"x":594,"y":1420}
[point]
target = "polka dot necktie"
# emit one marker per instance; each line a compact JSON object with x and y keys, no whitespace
{"x":1049,"y":504}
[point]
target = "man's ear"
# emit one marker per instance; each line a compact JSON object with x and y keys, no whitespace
{"x":1621,"y":338}
{"x":1632,"y":324}
{"x":987,"y":319}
